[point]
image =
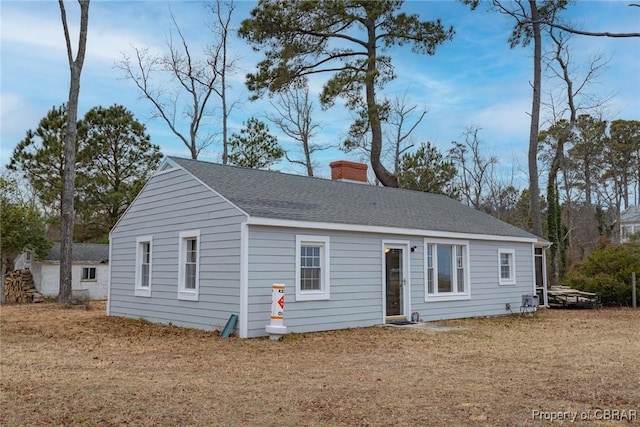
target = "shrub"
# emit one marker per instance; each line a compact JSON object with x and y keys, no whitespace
{"x":607,"y":272}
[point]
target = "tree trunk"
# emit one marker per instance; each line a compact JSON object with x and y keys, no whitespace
{"x":307,"y":156}
{"x":637,"y":192}
{"x":587,"y":183}
{"x":534,"y":188}
{"x":223,"y":96}
{"x":225,"y":118}
{"x":193,"y":136}
{"x":396,"y":158}
{"x":385,"y":177}
{"x":68,"y":180}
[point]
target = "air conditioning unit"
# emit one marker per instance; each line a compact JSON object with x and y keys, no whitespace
{"x":530,"y":300}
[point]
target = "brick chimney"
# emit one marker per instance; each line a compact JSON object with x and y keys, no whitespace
{"x":344,"y":170}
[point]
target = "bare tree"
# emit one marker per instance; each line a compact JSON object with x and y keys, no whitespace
{"x":475,"y":171}
{"x":226,"y":65}
{"x":399,"y":121}
{"x":67,"y":209}
{"x":295,"y":119}
{"x":398,"y":137}
{"x":479,"y":184}
{"x":559,"y":63}
{"x":195,"y":82}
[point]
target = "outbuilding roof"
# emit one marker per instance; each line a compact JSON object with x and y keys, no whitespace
{"x":276,"y":195}
{"x":87,"y":252}
{"x":631,"y":214}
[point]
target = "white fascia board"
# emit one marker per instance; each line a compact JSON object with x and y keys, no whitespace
{"x":383,"y":230}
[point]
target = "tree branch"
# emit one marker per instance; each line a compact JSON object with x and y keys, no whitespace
{"x":66,"y":32}
{"x":588,"y":33}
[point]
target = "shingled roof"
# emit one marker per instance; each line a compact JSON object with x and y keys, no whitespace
{"x":87,"y":252}
{"x":275,"y":195}
{"x":631,"y":214}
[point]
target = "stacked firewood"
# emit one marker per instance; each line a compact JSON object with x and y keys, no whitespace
{"x":18,"y":287}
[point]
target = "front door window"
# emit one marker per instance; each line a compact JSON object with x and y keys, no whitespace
{"x":394,"y":281}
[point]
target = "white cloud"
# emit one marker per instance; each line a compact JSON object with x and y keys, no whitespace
{"x":504,"y":120}
{"x":35,"y":31}
{"x":41,"y":34}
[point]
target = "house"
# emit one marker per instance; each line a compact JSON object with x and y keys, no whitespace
{"x":90,"y":269}
{"x":203,"y":241}
{"x":629,"y":223}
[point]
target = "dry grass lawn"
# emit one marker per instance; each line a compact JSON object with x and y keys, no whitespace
{"x":64,"y":366}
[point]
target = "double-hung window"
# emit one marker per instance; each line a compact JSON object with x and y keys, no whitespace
{"x":143,"y":266}
{"x":189,"y":265}
{"x":312,"y":268}
{"x":88,"y":274}
{"x":446,"y":269}
{"x":506,"y":267}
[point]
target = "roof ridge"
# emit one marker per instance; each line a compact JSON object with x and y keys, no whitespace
{"x":301,"y":176}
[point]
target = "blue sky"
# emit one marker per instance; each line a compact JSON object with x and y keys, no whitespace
{"x":474,"y":80}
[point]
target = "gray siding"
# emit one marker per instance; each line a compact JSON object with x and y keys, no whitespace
{"x":488,"y":298}
{"x":356,"y":277}
{"x":171,"y":203}
{"x":357,"y":280}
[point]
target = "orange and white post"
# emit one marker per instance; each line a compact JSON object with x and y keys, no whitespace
{"x":276,"y":328}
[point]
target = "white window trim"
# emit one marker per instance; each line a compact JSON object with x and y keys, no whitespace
{"x":325,"y":274}
{"x":95,"y":276}
{"x":448,"y":296}
{"x":183,"y":293}
{"x":512,"y":268}
{"x":141,"y":291}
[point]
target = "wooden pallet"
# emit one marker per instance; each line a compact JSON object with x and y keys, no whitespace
{"x":565,"y":297}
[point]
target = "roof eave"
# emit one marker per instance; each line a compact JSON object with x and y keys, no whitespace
{"x":272,"y":222}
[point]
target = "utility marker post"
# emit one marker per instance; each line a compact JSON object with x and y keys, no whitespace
{"x":276,"y":328}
